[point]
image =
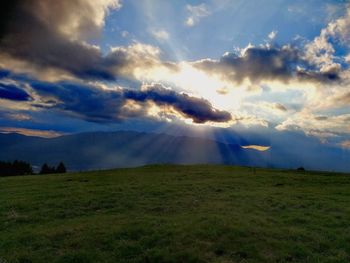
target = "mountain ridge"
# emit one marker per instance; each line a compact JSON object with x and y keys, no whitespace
{"x":103,"y":150}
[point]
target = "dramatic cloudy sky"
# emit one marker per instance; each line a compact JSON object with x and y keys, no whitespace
{"x":272,"y":67}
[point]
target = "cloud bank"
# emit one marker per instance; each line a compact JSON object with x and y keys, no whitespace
{"x":266,"y":63}
{"x":49,"y":40}
{"x":102,"y":104}
{"x":48,"y":63}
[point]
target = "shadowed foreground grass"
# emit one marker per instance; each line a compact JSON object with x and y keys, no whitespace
{"x":176,"y":214}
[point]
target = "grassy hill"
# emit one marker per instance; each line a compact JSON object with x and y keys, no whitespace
{"x":176,"y":214}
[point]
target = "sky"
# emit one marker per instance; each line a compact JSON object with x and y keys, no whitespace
{"x":275,"y":69}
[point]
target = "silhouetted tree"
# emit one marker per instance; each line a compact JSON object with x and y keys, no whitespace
{"x":15,"y":168}
{"x":45,"y":169}
{"x":61,"y":168}
{"x":6,"y":169}
{"x":301,"y":169}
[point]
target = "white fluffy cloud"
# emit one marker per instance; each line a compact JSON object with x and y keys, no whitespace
{"x":77,"y":18}
{"x":160,"y":34}
{"x":272,"y":35}
{"x":321,"y":50}
{"x":196,"y":13}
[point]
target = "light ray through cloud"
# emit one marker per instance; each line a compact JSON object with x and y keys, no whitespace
{"x":249,"y":66}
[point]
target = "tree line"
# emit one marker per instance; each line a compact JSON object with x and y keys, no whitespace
{"x":23,"y":168}
{"x":46,"y":169}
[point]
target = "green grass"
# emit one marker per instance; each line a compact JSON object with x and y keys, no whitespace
{"x":176,"y":214}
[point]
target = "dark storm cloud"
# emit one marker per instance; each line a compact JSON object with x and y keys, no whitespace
{"x":83,"y":101}
{"x":27,"y":35}
{"x":199,"y":110}
{"x":93,"y":104}
{"x":12,"y":92}
{"x":265,"y":63}
{"x":50,"y":35}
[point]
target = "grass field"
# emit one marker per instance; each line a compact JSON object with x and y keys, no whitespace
{"x":176,"y":214}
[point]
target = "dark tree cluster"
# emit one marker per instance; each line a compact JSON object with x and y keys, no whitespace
{"x":23,"y":168}
{"x":15,"y":168}
{"x":46,"y":169}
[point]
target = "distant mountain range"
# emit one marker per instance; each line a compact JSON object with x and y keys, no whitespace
{"x":102,"y":150}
